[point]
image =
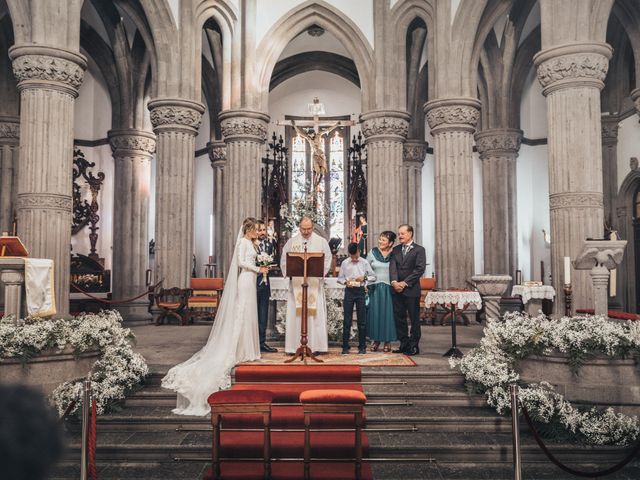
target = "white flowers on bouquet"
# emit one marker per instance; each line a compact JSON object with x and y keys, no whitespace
{"x":263,"y":259}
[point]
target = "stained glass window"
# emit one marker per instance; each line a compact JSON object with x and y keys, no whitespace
{"x":331,"y":191}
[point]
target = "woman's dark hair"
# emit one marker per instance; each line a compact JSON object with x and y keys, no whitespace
{"x":389,"y":235}
{"x":352,"y":248}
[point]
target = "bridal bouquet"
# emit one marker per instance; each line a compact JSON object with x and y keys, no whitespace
{"x":264,"y":260}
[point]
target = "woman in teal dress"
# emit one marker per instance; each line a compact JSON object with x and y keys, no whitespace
{"x":381,"y":326}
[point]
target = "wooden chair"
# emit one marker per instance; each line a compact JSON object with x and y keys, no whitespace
{"x":333,"y":401}
{"x":245,"y":402}
{"x":204,"y":297}
{"x":171,"y":302}
{"x":427,"y":284}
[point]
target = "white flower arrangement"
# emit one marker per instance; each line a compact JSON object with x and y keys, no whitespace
{"x":263,"y":259}
{"x":490,"y":369}
{"x":118,"y":370}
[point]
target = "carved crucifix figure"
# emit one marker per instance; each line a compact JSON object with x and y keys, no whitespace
{"x":316,"y":143}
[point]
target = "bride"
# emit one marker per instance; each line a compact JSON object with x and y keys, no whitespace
{"x":234,"y":337}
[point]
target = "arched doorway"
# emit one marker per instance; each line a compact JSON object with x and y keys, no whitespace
{"x":636,"y":241}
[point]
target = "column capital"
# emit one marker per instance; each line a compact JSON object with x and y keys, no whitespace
{"x":44,"y":201}
{"x":498,"y":141}
{"x":635,"y":96}
{"x":217,"y":153}
{"x":12,"y":277}
{"x":609,"y":127}
{"x":585,"y":200}
{"x":130,"y":141}
{"x":43,"y":67}
{"x":244,"y":125}
{"x":453,"y":114}
{"x":385,"y":124}
{"x":9,"y":130}
{"x":414,"y":151}
{"x":573,"y":65}
{"x":175,"y":114}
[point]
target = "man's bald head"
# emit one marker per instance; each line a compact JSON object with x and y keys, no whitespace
{"x":306,"y":227}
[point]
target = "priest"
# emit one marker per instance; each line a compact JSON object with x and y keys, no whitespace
{"x":316,"y":302}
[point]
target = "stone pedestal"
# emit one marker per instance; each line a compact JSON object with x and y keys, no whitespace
{"x":175,"y":123}
{"x":572,"y":76}
{"x":498,"y":149}
{"x":414,"y":152}
{"x":385,"y":132}
{"x":492,"y":288}
{"x":600,"y":257}
{"x":48,"y":81}
{"x":9,"y":151}
{"x":245,"y":132}
{"x":452,"y":122}
{"x":218,"y":156}
{"x":12,"y":276}
{"x":132,"y":152}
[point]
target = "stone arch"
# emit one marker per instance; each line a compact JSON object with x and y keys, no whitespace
{"x":298,"y":20}
{"x":628,"y":14}
{"x":403,"y":14}
{"x":19,"y":13}
{"x":624,"y":213}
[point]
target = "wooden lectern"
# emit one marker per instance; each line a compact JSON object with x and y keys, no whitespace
{"x":304,"y":265}
{"x":12,"y":247}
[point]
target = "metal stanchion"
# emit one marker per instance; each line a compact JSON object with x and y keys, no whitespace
{"x":515,"y":428}
{"x":86,"y":404}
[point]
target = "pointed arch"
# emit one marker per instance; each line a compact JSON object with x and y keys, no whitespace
{"x":624,"y":217}
{"x":297,"y":21}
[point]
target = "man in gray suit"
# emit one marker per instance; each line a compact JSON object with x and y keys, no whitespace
{"x":407,"y":265}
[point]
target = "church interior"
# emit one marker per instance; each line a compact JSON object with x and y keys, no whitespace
{"x":136,"y":136}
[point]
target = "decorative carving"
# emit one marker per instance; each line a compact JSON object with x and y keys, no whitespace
{"x":243,"y":127}
{"x":385,"y":126}
{"x":357,"y":186}
{"x":414,"y":152}
{"x":176,"y":116}
{"x":9,"y":130}
{"x":633,"y":163}
{"x":504,"y":141}
{"x":275,"y":183}
{"x":609,"y":130}
{"x":48,"y":68}
{"x":217,"y":153}
{"x":44,"y":201}
{"x":575,"y":66}
{"x":584,"y":200}
{"x":84,"y":212}
{"x":132,"y":142}
{"x":453,"y":115}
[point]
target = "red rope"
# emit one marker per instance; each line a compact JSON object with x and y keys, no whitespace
{"x":112,"y":302}
{"x":91,"y":441}
{"x":68,"y":410}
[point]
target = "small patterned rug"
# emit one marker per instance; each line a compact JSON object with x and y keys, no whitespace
{"x":334,"y":357}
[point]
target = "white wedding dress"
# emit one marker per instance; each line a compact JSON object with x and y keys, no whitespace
{"x":233,"y":339}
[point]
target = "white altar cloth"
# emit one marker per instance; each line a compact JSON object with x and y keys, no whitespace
{"x":460,"y":298}
{"x":539,"y":292}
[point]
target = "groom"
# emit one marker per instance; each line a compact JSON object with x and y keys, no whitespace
{"x":407,"y":265}
{"x":264,"y":288}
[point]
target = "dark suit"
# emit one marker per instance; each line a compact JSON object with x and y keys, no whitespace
{"x":264,"y":293}
{"x":407,"y":268}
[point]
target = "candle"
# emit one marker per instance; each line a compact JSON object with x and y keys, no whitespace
{"x":612,"y":283}
{"x":210,"y":259}
{"x":567,"y":270}
{"x":518,"y":277}
{"x":148,"y":277}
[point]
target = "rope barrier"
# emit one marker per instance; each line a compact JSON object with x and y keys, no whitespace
{"x":579,"y":473}
{"x":67,"y":411}
{"x":115,"y":302}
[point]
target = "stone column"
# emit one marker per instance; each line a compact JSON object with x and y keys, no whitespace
{"x":244,"y":132}
{"x":414,"y":152}
{"x":385,"y":132}
{"x":452,"y":122}
{"x":498,"y":149}
{"x":609,"y":166}
{"x":572,"y":76}
{"x":48,"y":81}
{"x":175,"y":123}
{"x":13,"y":281}
{"x":9,"y":150}
{"x":132,"y":152}
{"x":218,"y":156}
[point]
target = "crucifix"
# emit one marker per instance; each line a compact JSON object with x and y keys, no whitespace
{"x":315,"y":137}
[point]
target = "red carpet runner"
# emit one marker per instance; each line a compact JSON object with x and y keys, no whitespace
{"x":286,"y":382}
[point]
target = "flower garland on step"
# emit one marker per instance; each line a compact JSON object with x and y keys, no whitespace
{"x":490,"y":369}
{"x":118,"y":369}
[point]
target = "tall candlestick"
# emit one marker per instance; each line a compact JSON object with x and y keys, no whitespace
{"x":518,"y":277}
{"x":567,"y":270}
{"x":612,"y":283}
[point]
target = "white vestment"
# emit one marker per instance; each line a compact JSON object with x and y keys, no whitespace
{"x":316,"y":324}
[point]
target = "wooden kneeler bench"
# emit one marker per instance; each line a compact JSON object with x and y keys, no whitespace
{"x":333,"y":401}
{"x":249,"y":402}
